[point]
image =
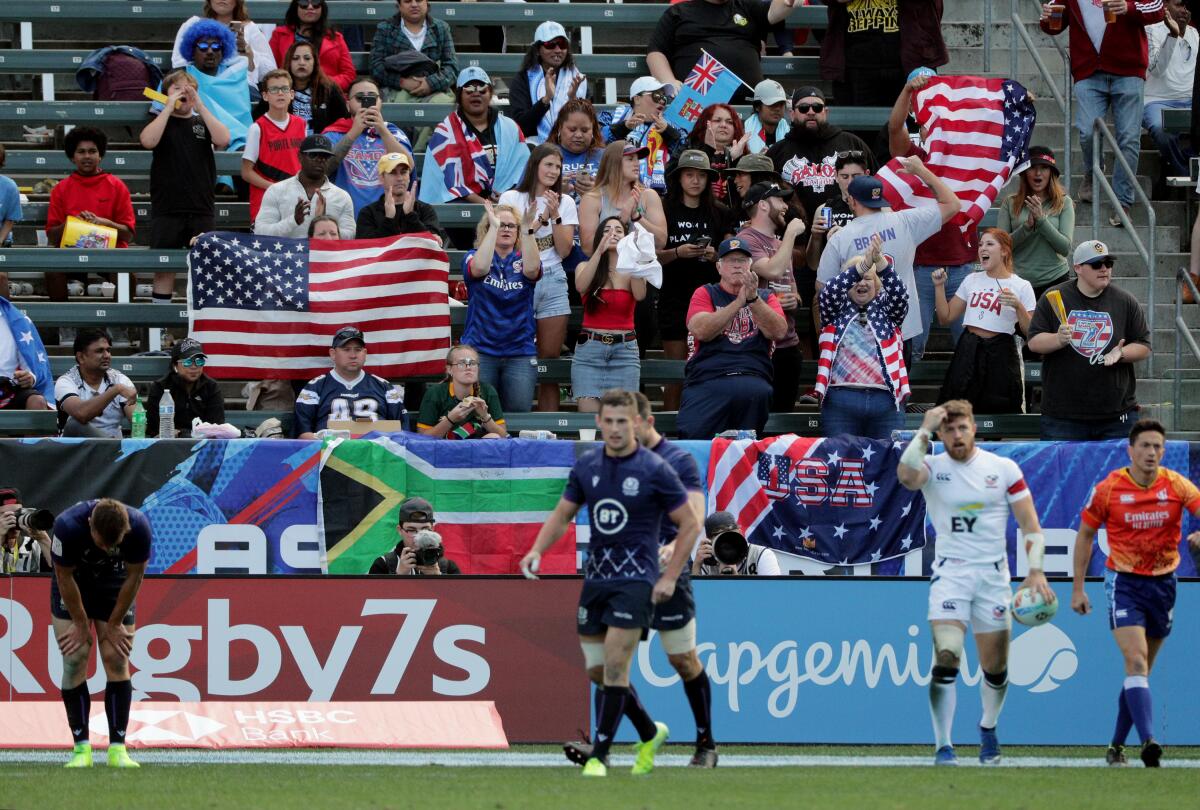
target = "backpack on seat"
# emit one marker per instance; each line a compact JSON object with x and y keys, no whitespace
{"x":118,"y":73}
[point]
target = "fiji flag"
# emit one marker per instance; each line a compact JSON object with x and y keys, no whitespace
{"x":30,"y":348}
{"x":835,"y":500}
{"x":710,"y":82}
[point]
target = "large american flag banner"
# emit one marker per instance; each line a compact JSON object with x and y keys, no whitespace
{"x":977,"y":130}
{"x":833,"y":500}
{"x":267,"y":307}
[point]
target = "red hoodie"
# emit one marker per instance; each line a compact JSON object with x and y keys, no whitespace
{"x":103,"y":194}
{"x":1123,"y":51}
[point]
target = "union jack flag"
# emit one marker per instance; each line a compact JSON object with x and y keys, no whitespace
{"x":704,"y":74}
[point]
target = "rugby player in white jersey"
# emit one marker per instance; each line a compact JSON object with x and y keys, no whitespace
{"x":968,"y":494}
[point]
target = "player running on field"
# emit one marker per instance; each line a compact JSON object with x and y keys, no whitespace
{"x":675,"y":619}
{"x":1142,"y":505}
{"x":627,"y":489}
{"x":100,"y":549}
{"x":968,"y":493}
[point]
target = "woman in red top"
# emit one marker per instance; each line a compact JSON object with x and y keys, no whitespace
{"x":89,"y":193}
{"x":606,"y":354}
{"x":307,"y":20}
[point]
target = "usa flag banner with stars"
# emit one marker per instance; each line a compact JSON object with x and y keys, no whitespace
{"x":833,"y":500}
{"x":710,"y":82}
{"x":267,"y":307}
{"x":976,"y":131}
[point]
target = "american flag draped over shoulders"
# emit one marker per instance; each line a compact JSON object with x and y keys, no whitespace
{"x":834,"y":500}
{"x":977,"y":130}
{"x":267,"y":307}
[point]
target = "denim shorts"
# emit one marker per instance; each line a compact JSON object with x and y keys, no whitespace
{"x":550,"y":294}
{"x":597,"y":367}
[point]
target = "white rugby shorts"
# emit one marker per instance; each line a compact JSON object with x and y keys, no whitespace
{"x":975,"y":594}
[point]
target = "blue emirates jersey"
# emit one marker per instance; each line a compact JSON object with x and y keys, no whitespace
{"x":72,"y":546}
{"x":627,"y":498}
{"x":500,"y":308}
{"x":367,"y":398}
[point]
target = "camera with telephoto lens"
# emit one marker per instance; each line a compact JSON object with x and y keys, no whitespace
{"x":30,"y":520}
{"x":730,"y":547}
{"x":427,"y":548}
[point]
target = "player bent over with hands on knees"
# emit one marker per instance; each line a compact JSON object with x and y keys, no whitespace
{"x":1142,"y":505}
{"x":675,"y":619}
{"x":969,"y":492}
{"x":100,"y":549}
{"x":628,"y":491}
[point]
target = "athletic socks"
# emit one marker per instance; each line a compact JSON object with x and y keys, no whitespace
{"x":117,"y":697}
{"x":942,"y":699}
{"x":611,"y":706}
{"x":1124,"y":720}
{"x":79,"y":706}
{"x":1137,"y":698}
{"x":699,"y":695}
{"x":993,"y":689}
{"x":638,"y":715}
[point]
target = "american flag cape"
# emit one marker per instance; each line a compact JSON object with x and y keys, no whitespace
{"x":267,"y":307}
{"x":833,"y":500}
{"x":977,"y":130}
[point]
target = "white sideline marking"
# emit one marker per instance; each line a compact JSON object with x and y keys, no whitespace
{"x":512,"y":759}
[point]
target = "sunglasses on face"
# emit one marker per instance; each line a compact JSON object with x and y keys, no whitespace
{"x":803,"y":108}
{"x":310,"y":3}
{"x":1098,"y":263}
{"x":658,"y":96}
{"x":476,"y":89}
{"x":556,"y":45}
{"x":466,"y":363}
{"x":208,"y":46}
{"x":193,"y":362}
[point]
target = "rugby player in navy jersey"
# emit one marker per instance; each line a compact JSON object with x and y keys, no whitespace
{"x":675,"y":619}
{"x":100,"y":549}
{"x":346,"y":393}
{"x":628,"y":490}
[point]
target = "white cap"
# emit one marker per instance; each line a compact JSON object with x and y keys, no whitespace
{"x":648,"y":84}
{"x":548,"y":31}
{"x":769,"y":92}
{"x":1090,"y":251}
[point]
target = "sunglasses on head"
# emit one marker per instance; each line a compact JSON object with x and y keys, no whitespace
{"x":1096,"y":264}
{"x":850,"y":153}
{"x":803,"y":108}
{"x":556,"y":45}
{"x":193,"y":362}
{"x":208,"y":46}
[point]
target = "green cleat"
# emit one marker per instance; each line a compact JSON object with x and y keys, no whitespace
{"x":81,"y":757}
{"x":595,"y":767}
{"x":646,"y":750}
{"x":118,"y":757}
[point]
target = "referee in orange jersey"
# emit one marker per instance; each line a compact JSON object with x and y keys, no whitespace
{"x":1142,"y":505}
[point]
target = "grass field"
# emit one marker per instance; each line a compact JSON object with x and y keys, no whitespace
{"x":530,"y":777}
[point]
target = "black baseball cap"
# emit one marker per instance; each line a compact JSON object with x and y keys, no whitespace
{"x":868,"y":191}
{"x":347,"y":334}
{"x":415,"y":510}
{"x":763,"y":190}
{"x":188,"y":347}
{"x":721,"y":522}
{"x":806,"y":92}
{"x":316,"y":145}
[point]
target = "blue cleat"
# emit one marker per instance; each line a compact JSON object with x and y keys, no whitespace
{"x":989,"y":747}
{"x":945,"y":756}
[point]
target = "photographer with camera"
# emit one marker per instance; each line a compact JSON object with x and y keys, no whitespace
{"x":724,"y":551}
{"x":24,"y":543}
{"x":420,"y":551}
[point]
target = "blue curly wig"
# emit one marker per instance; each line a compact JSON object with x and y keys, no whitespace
{"x":208,"y":29}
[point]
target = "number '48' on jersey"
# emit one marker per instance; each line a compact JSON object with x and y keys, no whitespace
{"x":367,"y":398}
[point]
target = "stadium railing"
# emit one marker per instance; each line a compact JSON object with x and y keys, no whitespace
{"x":131,"y":113}
{"x":498,"y":65}
{"x":633,"y":15}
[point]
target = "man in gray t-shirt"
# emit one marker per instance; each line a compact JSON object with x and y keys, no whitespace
{"x":901,"y":232}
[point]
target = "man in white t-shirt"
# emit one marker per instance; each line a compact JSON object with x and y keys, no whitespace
{"x":92,"y":397}
{"x":968,"y":493}
{"x":901,"y":232}
{"x":1173,"y":44}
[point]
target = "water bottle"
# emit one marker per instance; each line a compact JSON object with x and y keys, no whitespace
{"x":139,"y":420}
{"x":166,"y":416}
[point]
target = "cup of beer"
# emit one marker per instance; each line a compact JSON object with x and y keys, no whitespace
{"x":1110,"y":16}
{"x":1056,"y":20}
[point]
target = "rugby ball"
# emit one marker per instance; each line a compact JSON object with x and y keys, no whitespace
{"x":1030,"y":609}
